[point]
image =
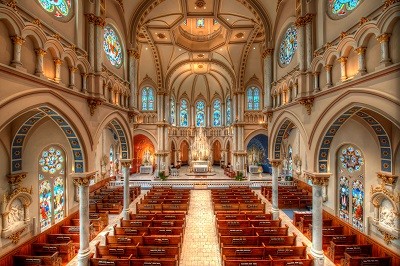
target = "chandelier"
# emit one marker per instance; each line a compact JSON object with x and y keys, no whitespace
{"x":200,"y":149}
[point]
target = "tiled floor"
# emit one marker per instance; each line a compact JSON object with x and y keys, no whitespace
{"x":200,"y":243}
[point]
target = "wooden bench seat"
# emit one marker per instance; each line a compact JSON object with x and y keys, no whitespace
{"x":278,"y":240}
{"x":243,"y":253}
{"x":46,"y":260}
{"x":271,"y":231}
{"x":121,"y":251}
{"x":135,"y":223}
{"x":338,"y":239}
{"x":304,"y":223}
{"x":152,"y":252}
{"x":64,"y":238}
{"x":111,"y":261}
{"x":248,"y":231}
{"x":291,"y":262}
{"x":65,"y":250}
{"x":326,"y":230}
{"x":144,"y":240}
{"x":155,"y":261}
{"x":166,"y":230}
{"x":157,"y":216}
{"x":336,"y":251}
{"x":286,"y":252}
{"x":245,"y":262}
{"x":350,"y":260}
{"x":130,"y":230}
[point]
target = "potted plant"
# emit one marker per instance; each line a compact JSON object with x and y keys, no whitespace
{"x":162,"y":175}
{"x":239,"y":176}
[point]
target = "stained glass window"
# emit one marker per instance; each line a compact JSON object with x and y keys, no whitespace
{"x":172,"y":113}
{"x":52,"y":186}
{"x":228,"y":111}
{"x":351,"y":185}
{"x":200,"y":114}
{"x":200,"y":23}
{"x":112,"y":46}
{"x":341,"y":8}
{"x":288,"y":46}
{"x":61,"y":9}
{"x":183,"y":114}
{"x":217,"y":113}
{"x":253,"y":98}
{"x":147,"y":99}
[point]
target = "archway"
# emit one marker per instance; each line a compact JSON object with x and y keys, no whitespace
{"x":184,"y":150}
{"x":216,"y":153}
{"x":257,"y":152}
{"x":143,"y":152}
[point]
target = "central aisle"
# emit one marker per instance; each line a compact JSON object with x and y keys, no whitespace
{"x":200,"y":242}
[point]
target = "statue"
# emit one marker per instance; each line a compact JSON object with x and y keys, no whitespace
{"x":146,"y":157}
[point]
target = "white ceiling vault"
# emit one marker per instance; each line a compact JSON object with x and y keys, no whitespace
{"x":205,"y":62}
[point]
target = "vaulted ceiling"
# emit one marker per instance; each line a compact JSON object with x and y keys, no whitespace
{"x":211,"y":59}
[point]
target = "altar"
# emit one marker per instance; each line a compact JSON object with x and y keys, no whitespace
{"x":253,"y":169}
{"x":146,"y":169}
{"x":200,"y":166}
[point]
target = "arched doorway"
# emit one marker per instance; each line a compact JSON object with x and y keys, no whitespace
{"x":257,"y":152}
{"x":184,"y":150}
{"x":216,"y":153}
{"x":143,"y":152}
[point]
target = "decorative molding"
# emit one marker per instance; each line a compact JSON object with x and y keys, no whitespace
{"x":14,"y":237}
{"x":383,"y":37}
{"x":389,"y":3}
{"x":362,"y":21}
{"x":99,"y":21}
{"x":91,"y":18}
{"x":93,"y":103}
{"x":126,"y":162}
{"x":343,"y":34}
{"x":13,"y":5}
{"x":83,"y":179}
{"x":134,"y":53}
{"x":56,"y":36}
{"x":270,"y":114}
{"x":387,"y":179}
{"x":386,"y":236}
{"x":267,"y":52}
{"x":37,"y":22}
{"x":308,"y":103}
{"x":381,"y":189}
{"x":200,"y":3}
{"x":17,"y":39}
{"x":15,"y":179}
{"x":275,"y":162}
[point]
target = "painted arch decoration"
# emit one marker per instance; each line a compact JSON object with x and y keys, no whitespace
{"x":384,"y":142}
{"x":122,"y":139}
{"x":20,"y":136}
{"x":338,"y":9}
{"x":62,"y":10}
{"x":282,"y":133}
{"x":112,"y":46}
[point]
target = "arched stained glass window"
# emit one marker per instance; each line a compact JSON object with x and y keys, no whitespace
{"x":228,"y":111}
{"x":217,"y":114}
{"x":61,"y":9}
{"x":200,"y":114}
{"x":288,"y":46}
{"x":147,"y":99}
{"x":351,"y":185}
{"x":173,"y":112}
{"x":112,"y":46}
{"x":51,"y":186}
{"x":253,"y":98}
{"x":338,"y":9}
{"x":200,"y":23}
{"x":183,"y":114}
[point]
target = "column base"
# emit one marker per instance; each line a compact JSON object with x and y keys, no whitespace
{"x":83,"y":257}
{"x":318,"y":257}
{"x":361,"y":73}
{"x":383,"y":65}
{"x":18,"y":66}
{"x":40,"y":75}
{"x":275,"y":214}
{"x":126,"y":214}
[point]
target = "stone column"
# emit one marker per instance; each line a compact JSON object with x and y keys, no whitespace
{"x":328,"y":71}
{"x":318,"y":180}
{"x":133,"y":59}
{"x":83,"y":180}
{"x":267,"y":55}
{"x":296,"y":90}
{"x":126,"y":163}
{"x":84,"y":82}
{"x":57,"y":74}
{"x":208,"y":116}
{"x":343,"y":61}
{"x":316,"y":81}
{"x":385,"y":58}
{"x":91,"y":18}
{"x":290,"y":96}
{"x":300,"y":23}
{"x":72,"y":71}
{"x":275,"y":175}
{"x":309,"y":38}
{"x":362,"y":68}
{"x":40,"y":53}
{"x":376,"y":210}
{"x":16,"y":61}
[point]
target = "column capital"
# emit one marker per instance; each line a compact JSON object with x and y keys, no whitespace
{"x":90,"y":17}
{"x":342,"y":59}
{"x":383,"y":37}
{"x":40,"y":51}
{"x":362,"y":21}
{"x":125,"y":162}
{"x":73,"y":69}
{"x":83,"y":179}
{"x":267,"y":52}
{"x":99,"y":21}
{"x":15,"y":178}
{"x":275,"y":162}
{"x":57,"y":61}
{"x":387,"y":178}
{"x":134,"y":53}
{"x":361,"y":50}
{"x":328,"y":67}
{"x":17,"y":39}
{"x":319,"y":179}
{"x":316,"y":73}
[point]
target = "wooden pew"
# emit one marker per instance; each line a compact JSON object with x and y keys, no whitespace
{"x":327,"y":230}
{"x":111,"y":261}
{"x":233,"y":223}
{"x":234,"y":241}
{"x":243,"y":253}
{"x":298,"y":214}
{"x":304,"y":223}
{"x":135,"y":223}
{"x":336,"y":251}
{"x":152,"y":252}
{"x":46,"y":260}
{"x":122,"y":251}
{"x":166,"y":230}
{"x":102,"y":215}
{"x":338,"y":239}
{"x":148,"y":208}
{"x":350,"y":260}
{"x":248,"y":231}
{"x":286,"y":252}
{"x":130,"y":230}
{"x":278,"y":240}
{"x":175,"y":208}
{"x":272,"y":231}
{"x":245,"y":262}
{"x":266,"y":223}
{"x":155,"y":261}
{"x":65,"y":250}
{"x":64,"y":238}
{"x":292,"y":262}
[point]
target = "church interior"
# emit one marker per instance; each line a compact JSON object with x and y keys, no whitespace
{"x":199,"y":132}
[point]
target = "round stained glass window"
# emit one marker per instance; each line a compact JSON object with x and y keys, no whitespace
{"x":51,"y":160}
{"x":351,"y":159}
{"x":338,"y":9}
{"x":61,"y":9}
{"x":112,"y":46}
{"x":288,"y":46}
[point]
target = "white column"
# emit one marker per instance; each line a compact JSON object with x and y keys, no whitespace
{"x":328,"y":71}
{"x":318,"y":179}
{"x":290,"y":96}
{"x":343,"y":60}
{"x":385,"y":58}
{"x":126,"y":163}
{"x":83,"y":180}
{"x":208,"y":116}
{"x":84,"y":82}
{"x":17,"y":41}
{"x":362,"y":68}
{"x":275,"y":175}
{"x":316,"y":81}
{"x":72,"y":71}
{"x":57,"y":74}
{"x":39,"y":62}
{"x":309,"y":39}
{"x":268,"y":77}
{"x":91,"y":18}
{"x":133,"y":59}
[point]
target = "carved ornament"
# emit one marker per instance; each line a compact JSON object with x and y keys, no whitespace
{"x":386,"y":192}
{"x":389,"y":3}
{"x":14,"y":237}
{"x":362,"y":21}
{"x":275,"y":162}
{"x":387,"y":179}
{"x":308,"y":103}
{"x":93,"y":103}
{"x":17,"y":40}
{"x":15,"y":179}
{"x":386,"y":236}
{"x":83,"y":179}
{"x":383,"y":38}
